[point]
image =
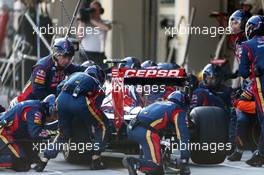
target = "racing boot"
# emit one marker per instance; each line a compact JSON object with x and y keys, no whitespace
{"x":131,"y":164}
{"x":235,"y":156}
{"x":21,"y":165}
{"x":257,"y":159}
{"x":184,"y":167}
{"x":41,"y":165}
{"x":97,"y":164}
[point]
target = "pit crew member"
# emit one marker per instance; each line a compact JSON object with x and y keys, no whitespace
{"x":144,"y":130}
{"x":81,"y":97}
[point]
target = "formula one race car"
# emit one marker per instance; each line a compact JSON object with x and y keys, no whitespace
{"x":208,"y":125}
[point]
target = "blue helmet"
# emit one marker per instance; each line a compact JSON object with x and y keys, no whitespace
{"x":130,"y":62}
{"x":168,"y":66}
{"x":63,"y":46}
{"x":177,"y":97}
{"x":212,"y":75}
{"x":96,"y":72}
{"x":49,"y":102}
{"x":192,"y":81}
{"x":238,"y":17}
{"x":148,"y":63}
{"x":255,"y":26}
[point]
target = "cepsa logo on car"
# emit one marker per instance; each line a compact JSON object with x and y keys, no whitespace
{"x":151,"y":73}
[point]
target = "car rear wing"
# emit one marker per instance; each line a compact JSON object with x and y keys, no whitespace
{"x":124,"y":76}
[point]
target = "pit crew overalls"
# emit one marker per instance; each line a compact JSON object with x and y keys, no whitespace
{"x":45,"y":78}
{"x":203,"y":96}
{"x":81,"y":98}
{"x":20,"y":127}
{"x":144,"y":130}
{"x":246,"y":115}
{"x":252,"y":65}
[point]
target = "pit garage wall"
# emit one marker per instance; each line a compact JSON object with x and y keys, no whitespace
{"x":127,"y":33}
{"x":128,"y":36}
{"x":201,"y":46}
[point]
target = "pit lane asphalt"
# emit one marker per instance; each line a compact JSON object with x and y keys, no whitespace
{"x":58,"y":166}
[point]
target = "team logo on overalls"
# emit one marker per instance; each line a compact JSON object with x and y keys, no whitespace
{"x":37,"y":118}
{"x":40,"y":77}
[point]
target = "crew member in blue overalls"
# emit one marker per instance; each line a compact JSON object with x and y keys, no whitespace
{"x":252,"y":66}
{"x":245,"y":107}
{"x":19,"y":128}
{"x":144,"y":130}
{"x":81,"y":97}
{"x":211,"y":91}
{"x":49,"y":71}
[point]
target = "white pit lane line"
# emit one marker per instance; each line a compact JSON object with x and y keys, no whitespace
{"x":51,"y":172}
{"x":240,"y":167}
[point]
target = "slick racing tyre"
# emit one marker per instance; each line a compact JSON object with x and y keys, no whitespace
{"x":210,"y":135}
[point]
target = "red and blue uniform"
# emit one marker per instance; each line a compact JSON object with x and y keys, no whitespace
{"x":237,"y":39}
{"x":24,"y":125}
{"x":246,"y":115}
{"x":204,"y":96}
{"x":151,"y":120}
{"x":81,"y":98}
{"x":45,"y":78}
{"x":252,"y":65}
{"x":240,"y":38}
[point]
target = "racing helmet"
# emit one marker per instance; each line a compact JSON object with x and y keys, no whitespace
{"x":177,"y":97}
{"x":193,"y":81}
{"x":96,"y":72}
{"x":49,"y":103}
{"x":237,"y":21}
{"x":167,"y":66}
{"x":148,"y":63}
{"x":63,"y":46}
{"x":255,"y":26}
{"x":130,"y":62}
{"x":212,"y":75}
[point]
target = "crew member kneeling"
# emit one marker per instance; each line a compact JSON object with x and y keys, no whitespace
{"x":20,"y":127}
{"x":144,"y":130}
